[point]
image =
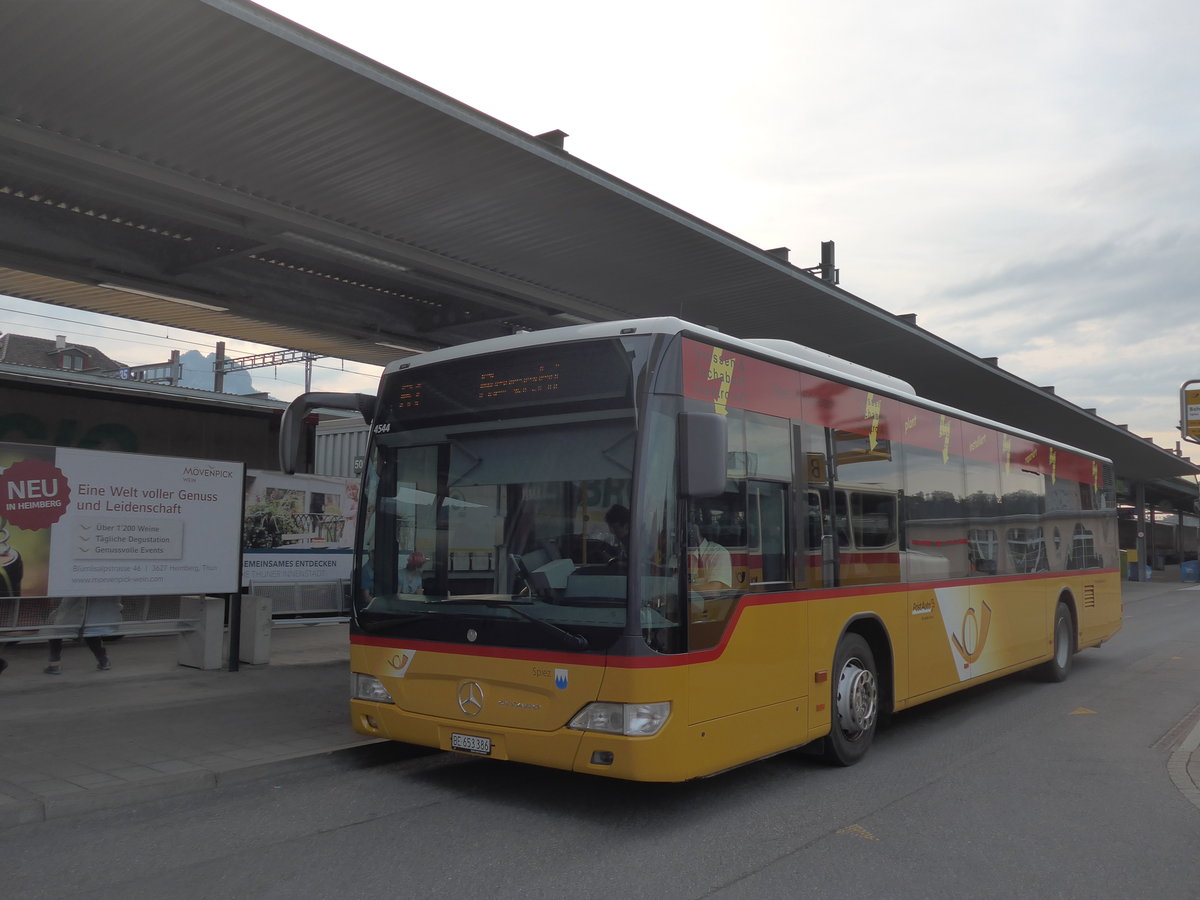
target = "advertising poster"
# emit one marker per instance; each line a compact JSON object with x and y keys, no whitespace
{"x":298,"y":529}
{"x":87,"y":523}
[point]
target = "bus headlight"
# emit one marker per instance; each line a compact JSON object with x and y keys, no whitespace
{"x":631,"y":719}
{"x":368,"y":687}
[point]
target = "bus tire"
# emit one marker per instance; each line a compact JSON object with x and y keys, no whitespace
{"x":1059,"y":665}
{"x":855,"y":707}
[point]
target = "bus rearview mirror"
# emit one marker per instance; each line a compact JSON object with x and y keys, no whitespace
{"x":291,"y":428}
{"x":703,"y":442}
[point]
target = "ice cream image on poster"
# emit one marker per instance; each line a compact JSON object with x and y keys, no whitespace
{"x":11,"y":566}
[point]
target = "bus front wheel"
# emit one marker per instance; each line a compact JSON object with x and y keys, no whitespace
{"x":855,"y":694}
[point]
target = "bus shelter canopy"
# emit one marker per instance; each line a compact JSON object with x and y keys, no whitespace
{"x":208,"y":165}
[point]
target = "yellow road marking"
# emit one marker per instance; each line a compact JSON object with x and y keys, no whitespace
{"x":858,"y":831}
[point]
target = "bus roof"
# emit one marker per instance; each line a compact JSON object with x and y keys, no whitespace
{"x":787,"y":352}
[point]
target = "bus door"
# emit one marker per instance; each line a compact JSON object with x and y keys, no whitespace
{"x":739,"y":546}
{"x":822,"y":542}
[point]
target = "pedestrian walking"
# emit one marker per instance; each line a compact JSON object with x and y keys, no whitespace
{"x":90,"y":618}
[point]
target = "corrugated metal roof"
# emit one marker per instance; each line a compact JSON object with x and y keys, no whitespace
{"x":75,"y":382}
{"x":314,"y":199}
{"x":45,"y":353}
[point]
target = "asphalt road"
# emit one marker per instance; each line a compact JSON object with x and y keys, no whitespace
{"x":1014,"y":789}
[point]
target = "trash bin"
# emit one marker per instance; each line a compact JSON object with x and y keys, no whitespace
{"x":254,"y":646}
{"x":201,"y":643}
{"x":1189,"y":570}
{"x":1136,"y":570}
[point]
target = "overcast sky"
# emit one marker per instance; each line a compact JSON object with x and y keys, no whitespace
{"x":1024,"y":176}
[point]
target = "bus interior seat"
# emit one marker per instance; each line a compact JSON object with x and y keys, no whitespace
{"x":554,"y":574}
{"x":535,"y":559}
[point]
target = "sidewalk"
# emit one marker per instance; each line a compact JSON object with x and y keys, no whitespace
{"x":150,"y":728}
{"x":1184,"y":764}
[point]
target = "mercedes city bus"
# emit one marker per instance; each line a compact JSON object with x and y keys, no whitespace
{"x":651,"y":551}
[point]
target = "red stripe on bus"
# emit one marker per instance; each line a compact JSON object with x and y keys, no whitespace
{"x":670,"y":660}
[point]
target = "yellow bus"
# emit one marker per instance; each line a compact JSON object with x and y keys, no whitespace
{"x":647,"y":550}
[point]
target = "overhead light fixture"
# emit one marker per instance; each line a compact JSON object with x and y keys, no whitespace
{"x":343,"y":252}
{"x":398,"y":347}
{"x":156,"y":296}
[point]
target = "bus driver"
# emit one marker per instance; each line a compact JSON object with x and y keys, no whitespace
{"x":709,"y":564}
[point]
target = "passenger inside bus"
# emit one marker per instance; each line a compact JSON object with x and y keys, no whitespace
{"x":617,"y":519}
{"x":411,"y":579}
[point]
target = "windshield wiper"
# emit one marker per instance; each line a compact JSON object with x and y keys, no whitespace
{"x":572,"y":640}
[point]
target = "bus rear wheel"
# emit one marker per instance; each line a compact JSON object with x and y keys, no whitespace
{"x":1059,"y":665}
{"x":855,"y":694}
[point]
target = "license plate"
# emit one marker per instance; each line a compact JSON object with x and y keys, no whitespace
{"x":471,"y":744}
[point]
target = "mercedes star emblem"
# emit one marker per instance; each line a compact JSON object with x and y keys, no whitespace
{"x":470,"y":698}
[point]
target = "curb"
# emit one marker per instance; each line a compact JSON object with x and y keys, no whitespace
{"x":1181,"y":761}
{"x":42,"y":809}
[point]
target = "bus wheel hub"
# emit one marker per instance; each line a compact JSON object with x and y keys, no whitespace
{"x":857,"y":698}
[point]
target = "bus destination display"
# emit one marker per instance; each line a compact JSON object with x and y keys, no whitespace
{"x":496,"y":385}
{"x":595,"y":374}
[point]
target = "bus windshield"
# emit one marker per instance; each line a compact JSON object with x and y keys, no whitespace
{"x":507,"y":532}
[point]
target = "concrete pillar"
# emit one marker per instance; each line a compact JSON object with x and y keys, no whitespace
{"x":1143,"y":564}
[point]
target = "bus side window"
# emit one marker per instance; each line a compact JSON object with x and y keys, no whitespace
{"x":1082,"y":554}
{"x":842,"y":520}
{"x":935,"y":513}
{"x":766,"y":514}
{"x":874,"y":519}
